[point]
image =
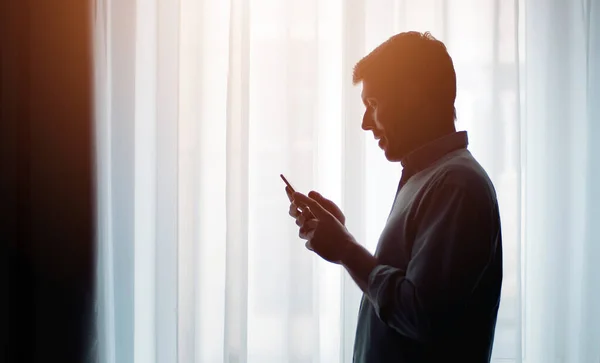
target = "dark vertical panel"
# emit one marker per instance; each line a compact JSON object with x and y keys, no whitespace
{"x":46,"y":178}
{"x":14,"y":179}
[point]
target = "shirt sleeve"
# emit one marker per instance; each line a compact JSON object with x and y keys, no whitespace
{"x":455,"y":242}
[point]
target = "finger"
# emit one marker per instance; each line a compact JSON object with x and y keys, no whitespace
{"x":294,"y":212}
{"x":307,"y":214}
{"x":306,"y":233}
{"x":328,"y":205}
{"x":304,"y":216}
{"x":316,"y":196}
{"x":289,"y":192}
{"x":306,"y":223}
{"x":308,"y":246}
{"x":302,"y":233}
{"x":316,"y":209}
{"x":311,"y":224}
{"x":324,"y":202}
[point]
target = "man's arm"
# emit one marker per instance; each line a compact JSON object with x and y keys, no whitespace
{"x":359,"y":263}
{"x":453,"y":246}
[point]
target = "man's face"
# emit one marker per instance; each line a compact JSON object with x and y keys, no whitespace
{"x":383,"y":117}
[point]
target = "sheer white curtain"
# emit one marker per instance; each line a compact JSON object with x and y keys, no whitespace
{"x":201,"y":104}
{"x":561,"y":154}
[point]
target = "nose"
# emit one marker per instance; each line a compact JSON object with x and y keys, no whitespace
{"x":367,"y":121}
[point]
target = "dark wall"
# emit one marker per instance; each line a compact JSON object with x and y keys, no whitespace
{"x":46,"y":200}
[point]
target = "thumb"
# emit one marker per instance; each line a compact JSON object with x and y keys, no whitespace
{"x":316,"y":208}
{"x":324,"y":202}
{"x":316,"y":196}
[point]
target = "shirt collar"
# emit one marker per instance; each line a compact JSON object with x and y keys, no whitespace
{"x":425,"y":155}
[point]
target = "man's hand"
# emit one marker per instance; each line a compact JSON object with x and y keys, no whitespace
{"x":301,"y":217}
{"x":330,"y":206}
{"x":324,"y":231}
{"x":356,"y":259}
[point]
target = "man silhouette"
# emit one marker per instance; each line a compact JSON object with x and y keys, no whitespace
{"x":431,"y":291}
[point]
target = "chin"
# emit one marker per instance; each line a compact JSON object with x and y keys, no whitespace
{"x":391,"y":154}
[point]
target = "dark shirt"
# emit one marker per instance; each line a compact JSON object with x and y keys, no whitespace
{"x":435,"y":294}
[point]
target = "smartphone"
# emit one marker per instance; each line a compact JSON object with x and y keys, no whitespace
{"x":301,"y":207}
{"x":287,"y":183}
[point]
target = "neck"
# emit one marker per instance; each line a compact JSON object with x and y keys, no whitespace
{"x":429,"y":135}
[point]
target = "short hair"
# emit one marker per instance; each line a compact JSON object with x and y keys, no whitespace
{"x":416,"y":57}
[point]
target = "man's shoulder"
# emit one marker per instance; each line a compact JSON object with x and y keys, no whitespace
{"x":461,"y":170}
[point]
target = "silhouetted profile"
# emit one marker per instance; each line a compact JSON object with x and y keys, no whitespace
{"x":432,"y":290}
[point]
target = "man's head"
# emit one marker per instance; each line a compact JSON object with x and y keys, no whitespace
{"x":409,"y":88}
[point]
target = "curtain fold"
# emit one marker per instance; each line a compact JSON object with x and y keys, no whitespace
{"x":200,"y":105}
{"x":590,"y":276}
{"x":237,"y":198}
{"x":561,"y":240}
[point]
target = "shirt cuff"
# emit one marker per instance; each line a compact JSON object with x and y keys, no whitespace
{"x":380,"y":289}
